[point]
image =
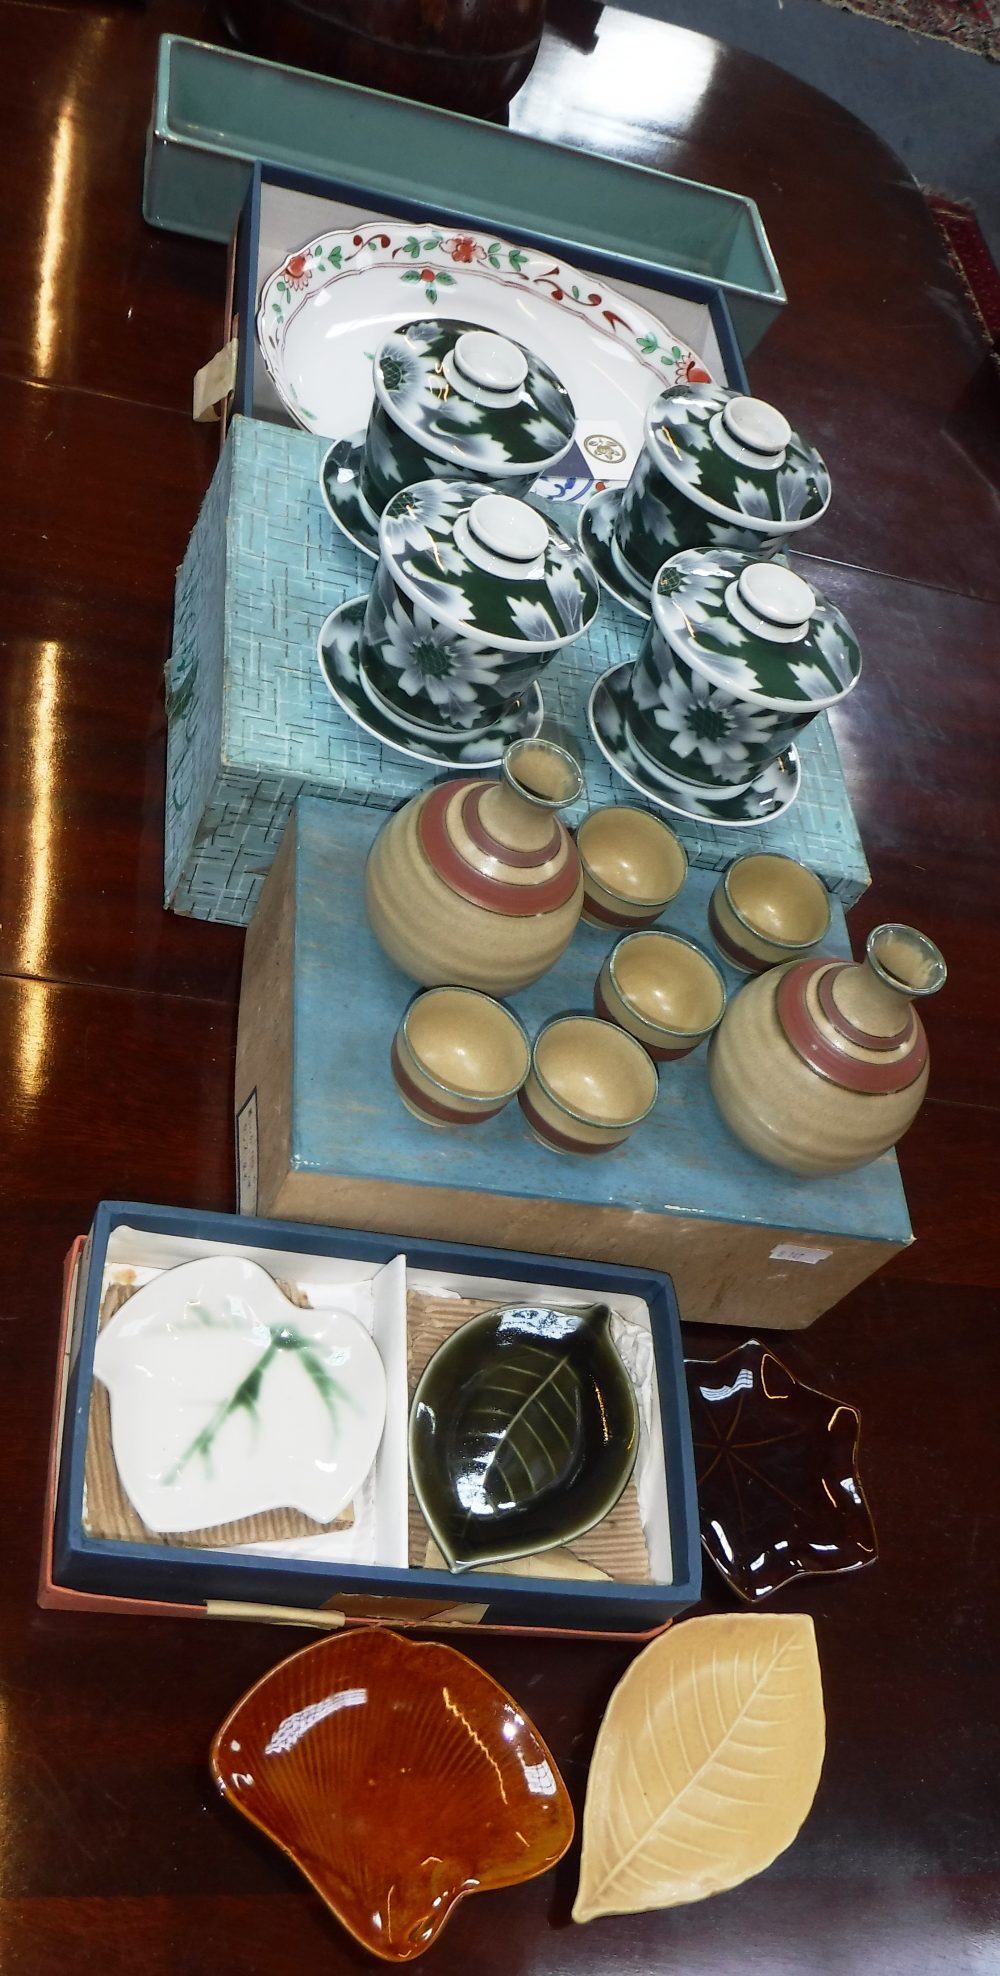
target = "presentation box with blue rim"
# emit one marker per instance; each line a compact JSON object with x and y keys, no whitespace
{"x":287,"y":210}
{"x":216,"y":111}
{"x":322,"y":1134}
{"x":380,"y":1269}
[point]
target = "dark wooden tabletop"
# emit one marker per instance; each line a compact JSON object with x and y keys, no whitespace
{"x":118,"y":1025}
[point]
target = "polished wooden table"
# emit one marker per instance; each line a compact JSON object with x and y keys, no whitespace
{"x":118,"y":1025}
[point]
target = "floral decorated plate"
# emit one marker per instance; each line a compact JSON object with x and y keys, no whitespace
{"x":339,"y":650}
{"x":323,"y":314}
{"x":770,"y":796}
{"x":227,"y":1400}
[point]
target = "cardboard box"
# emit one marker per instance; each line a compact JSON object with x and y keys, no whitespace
{"x":322,"y":1134}
{"x":79,"y":1568}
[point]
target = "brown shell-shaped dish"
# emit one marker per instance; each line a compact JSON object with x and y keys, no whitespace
{"x":779,"y":1491}
{"x":399,"y":1778}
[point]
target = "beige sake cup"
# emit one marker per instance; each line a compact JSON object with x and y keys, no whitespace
{"x":663,"y":990}
{"x":458,"y":1056}
{"x":767,"y":909}
{"x":633,"y":866}
{"x":588,"y":1086}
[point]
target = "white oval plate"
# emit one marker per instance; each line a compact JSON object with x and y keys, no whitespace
{"x":323,"y":314}
{"x":227,"y":1400}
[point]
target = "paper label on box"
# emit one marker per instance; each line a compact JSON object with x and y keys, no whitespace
{"x":788,"y":1252}
{"x":246,"y":1155}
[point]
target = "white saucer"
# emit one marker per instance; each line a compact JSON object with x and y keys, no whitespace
{"x":769,"y":797}
{"x":339,"y":480}
{"x":597,"y":520}
{"x":338,"y":647}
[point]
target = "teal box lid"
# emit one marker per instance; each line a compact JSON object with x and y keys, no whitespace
{"x":216,"y":112}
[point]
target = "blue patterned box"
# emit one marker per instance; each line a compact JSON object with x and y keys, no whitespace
{"x":322,"y":1134}
{"x":252,"y":725}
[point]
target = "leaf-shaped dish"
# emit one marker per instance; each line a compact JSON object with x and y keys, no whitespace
{"x":227,"y":1400}
{"x":524,"y":1431}
{"x":706,"y":1763}
{"x":399,"y":1778}
{"x":779,"y":1491}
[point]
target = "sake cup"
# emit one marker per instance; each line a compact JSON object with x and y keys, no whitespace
{"x":663,"y":990}
{"x":458,"y":1056}
{"x":588,"y":1087}
{"x":766,"y":909}
{"x":633,"y":866}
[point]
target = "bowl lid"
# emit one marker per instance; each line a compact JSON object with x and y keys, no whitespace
{"x":478,"y":400}
{"x":737,"y":457}
{"x":485,"y":563}
{"x":756,"y":630}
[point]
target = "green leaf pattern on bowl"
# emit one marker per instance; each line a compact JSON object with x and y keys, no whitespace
{"x":433,"y":671}
{"x":689,"y":600}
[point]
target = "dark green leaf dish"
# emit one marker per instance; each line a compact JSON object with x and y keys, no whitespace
{"x":524,"y":1431}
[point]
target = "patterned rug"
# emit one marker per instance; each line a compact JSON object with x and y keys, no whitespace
{"x":971,"y":24}
{"x":973,"y":263}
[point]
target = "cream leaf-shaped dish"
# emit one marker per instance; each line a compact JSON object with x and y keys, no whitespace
{"x":227,"y":1400}
{"x":706,"y":1763}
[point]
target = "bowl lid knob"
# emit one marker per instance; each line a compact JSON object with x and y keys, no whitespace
{"x":508,"y":529}
{"x":492,"y":362}
{"x":776,"y":594}
{"x":756,"y":425}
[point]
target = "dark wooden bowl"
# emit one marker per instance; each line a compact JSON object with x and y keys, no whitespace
{"x":470,"y":55}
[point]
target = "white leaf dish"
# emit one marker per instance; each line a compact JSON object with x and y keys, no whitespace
{"x":226,"y":1400}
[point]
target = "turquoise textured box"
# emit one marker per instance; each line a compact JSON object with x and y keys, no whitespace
{"x":322,"y":1134}
{"x":252,"y":724}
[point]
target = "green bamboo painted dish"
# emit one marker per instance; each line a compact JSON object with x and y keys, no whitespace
{"x":227,"y":1400}
{"x":524,"y":1431}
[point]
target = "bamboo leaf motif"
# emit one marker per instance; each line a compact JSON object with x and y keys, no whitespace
{"x":246,"y":1397}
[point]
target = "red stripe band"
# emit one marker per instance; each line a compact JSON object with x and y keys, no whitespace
{"x":562,"y":1139}
{"x":840,"y":1022}
{"x":592,"y":909}
{"x":446,"y":1113}
{"x":822,"y":1056}
{"x":512,"y":901}
{"x":654,"y":1050}
{"x":740,"y":956}
{"x":483,"y":839}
